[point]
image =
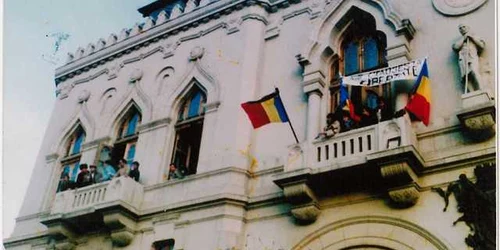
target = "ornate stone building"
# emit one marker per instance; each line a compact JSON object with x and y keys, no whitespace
{"x":170,"y":89}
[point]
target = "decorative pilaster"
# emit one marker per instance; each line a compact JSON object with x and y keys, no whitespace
{"x":313,"y":86}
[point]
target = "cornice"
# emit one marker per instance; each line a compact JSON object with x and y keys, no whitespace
{"x":153,"y":34}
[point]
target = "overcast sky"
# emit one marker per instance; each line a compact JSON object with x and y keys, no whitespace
{"x":31,"y":28}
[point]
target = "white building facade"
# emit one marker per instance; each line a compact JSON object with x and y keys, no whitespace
{"x":170,"y":89}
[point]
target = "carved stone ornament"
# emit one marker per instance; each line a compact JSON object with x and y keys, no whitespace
{"x":457,"y":7}
{"x":406,"y":196}
{"x":122,"y":238}
{"x":196,"y":53}
{"x":477,"y":116}
{"x":63,"y":90}
{"x":84,"y":96}
{"x":304,"y":202}
{"x":135,"y":76}
{"x":477,"y":202}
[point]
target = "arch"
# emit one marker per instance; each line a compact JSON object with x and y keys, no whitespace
{"x":196,"y":74}
{"x":326,"y":36}
{"x":378,"y":231}
{"x":67,"y":134}
{"x":140,"y":99}
{"x":119,"y":118}
{"x":82,"y":118}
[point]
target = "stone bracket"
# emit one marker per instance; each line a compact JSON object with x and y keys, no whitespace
{"x":122,"y":228}
{"x":477,"y":116}
{"x":303,"y":200}
{"x":401,"y":182}
{"x":298,"y":193}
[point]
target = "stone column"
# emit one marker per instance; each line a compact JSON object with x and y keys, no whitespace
{"x":253,"y":46}
{"x":313,"y":85}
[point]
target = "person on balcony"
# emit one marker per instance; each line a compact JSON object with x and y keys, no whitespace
{"x":347,"y":122}
{"x":174,"y":172}
{"x":332,"y":127}
{"x":95,"y":176}
{"x":134,"y":171}
{"x":83,"y":178}
{"x":122,"y":168}
{"x":64,"y":183}
{"x":108,"y":171}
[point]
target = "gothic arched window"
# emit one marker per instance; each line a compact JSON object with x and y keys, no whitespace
{"x":125,"y":146}
{"x":362,"y":48}
{"x":71,"y":162}
{"x":188,"y":131}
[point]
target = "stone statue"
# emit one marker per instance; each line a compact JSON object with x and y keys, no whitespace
{"x":468,"y":47}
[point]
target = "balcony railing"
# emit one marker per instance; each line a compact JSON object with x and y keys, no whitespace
{"x":121,"y":190}
{"x":358,"y":143}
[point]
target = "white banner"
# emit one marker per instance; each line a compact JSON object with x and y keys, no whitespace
{"x":405,"y":71}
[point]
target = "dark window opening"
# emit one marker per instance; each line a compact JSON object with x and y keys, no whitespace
{"x":189,"y":130}
{"x":362,"y":49}
{"x":125,"y":146}
{"x":187,"y":146}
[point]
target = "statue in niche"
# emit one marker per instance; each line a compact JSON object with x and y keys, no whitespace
{"x":469,"y":47}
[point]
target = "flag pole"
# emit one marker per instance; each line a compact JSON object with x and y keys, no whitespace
{"x":289,"y":123}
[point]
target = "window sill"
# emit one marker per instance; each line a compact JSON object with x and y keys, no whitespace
{"x":71,"y":158}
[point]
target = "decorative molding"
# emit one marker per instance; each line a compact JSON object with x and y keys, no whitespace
{"x":51,"y":158}
{"x":156,"y":124}
{"x":83,"y":96}
{"x":457,"y":7}
{"x":404,"y":196}
{"x":63,"y":90}
{"x":135,"y":75}
{"x":162,"y":29}
{"x":95,"y":143}
{"x":196,"y":53}
{"x":399,"y":226}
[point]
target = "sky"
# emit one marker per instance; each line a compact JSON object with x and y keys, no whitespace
{"x":30,"y":57}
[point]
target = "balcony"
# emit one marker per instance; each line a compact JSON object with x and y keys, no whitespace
{"x":111,"y":206}
{"x":378,"y":157}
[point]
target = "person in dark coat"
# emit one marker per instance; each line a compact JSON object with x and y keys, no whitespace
{"x":95,"y":176}
{"x":64,"y":183}
{"x":134,"y":171}
{"x":83,"y":178}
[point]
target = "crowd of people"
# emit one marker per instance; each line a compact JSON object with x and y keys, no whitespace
{"x":343,"y":119}
{"x":90,"y":175}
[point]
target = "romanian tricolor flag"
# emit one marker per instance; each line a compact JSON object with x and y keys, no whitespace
{"x":346,"y":103}
{"x":266,"y":110}
{"x":420,"y":101}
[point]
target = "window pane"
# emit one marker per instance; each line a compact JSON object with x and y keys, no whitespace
{"x":132,"y":124}
{"x":194,"y":105}
{"x":78,"y":143}
{"x":370,"y":56}
{"x":131,"y":154}
{"x":65,"y":171}
{"x":351,"y":58}
{"x":75,"y":171}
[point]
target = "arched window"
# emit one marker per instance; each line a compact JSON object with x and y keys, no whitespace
{"x":362,"y":48}
{"x":125,"y":145}
{"x":188,"y":131}
{"x":71,"y":162}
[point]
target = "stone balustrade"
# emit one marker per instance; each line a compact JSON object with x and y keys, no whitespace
{"x":358,"y":143}
{"x":120,"y":190}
